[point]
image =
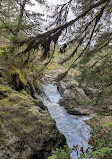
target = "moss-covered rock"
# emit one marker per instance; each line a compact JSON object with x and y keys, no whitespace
{"x":21,"y":79}
{"x":74,"y":99}
{"x":26,"y":130}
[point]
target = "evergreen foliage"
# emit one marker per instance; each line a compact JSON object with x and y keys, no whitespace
{"x":26,"y":44}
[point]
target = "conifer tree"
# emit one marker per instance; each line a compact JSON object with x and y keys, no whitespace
{"x":90,"y":27}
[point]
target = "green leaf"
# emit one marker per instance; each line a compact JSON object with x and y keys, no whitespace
{"x":53,"y":157}
{"x":107,"y":124}
{"x":95,"y":153}
{"x":105,"y":149}
{"x":110,"y":9}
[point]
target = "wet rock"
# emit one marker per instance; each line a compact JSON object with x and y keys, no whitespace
{"x":52,"y":76}
{"x":40,"y":104}
{"x":61,"y":87}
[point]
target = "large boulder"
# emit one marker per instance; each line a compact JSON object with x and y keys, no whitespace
{"x":27,"y":130}
{"x":74,"y":99}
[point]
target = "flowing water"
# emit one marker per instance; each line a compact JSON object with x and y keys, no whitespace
{"x":72,"y":127}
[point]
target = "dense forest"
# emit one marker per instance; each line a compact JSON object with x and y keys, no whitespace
{"x":67,"y":43}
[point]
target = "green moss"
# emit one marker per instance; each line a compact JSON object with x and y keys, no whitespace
{"x":24,"y":92}
{"x":13,"y":112}
{"x":19,"y":73}
{"x":6,"y":89}
{"x":21,"y":79}
{"x":34,"y":111}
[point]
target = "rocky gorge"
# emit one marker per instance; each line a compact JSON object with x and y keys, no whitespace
{"x":28,"y":130}
{"x":76,"y":99}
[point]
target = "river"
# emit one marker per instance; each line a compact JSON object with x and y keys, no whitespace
{"x":75,"y":130}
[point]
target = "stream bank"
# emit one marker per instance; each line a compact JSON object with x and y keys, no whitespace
{"x":27,"y":130}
